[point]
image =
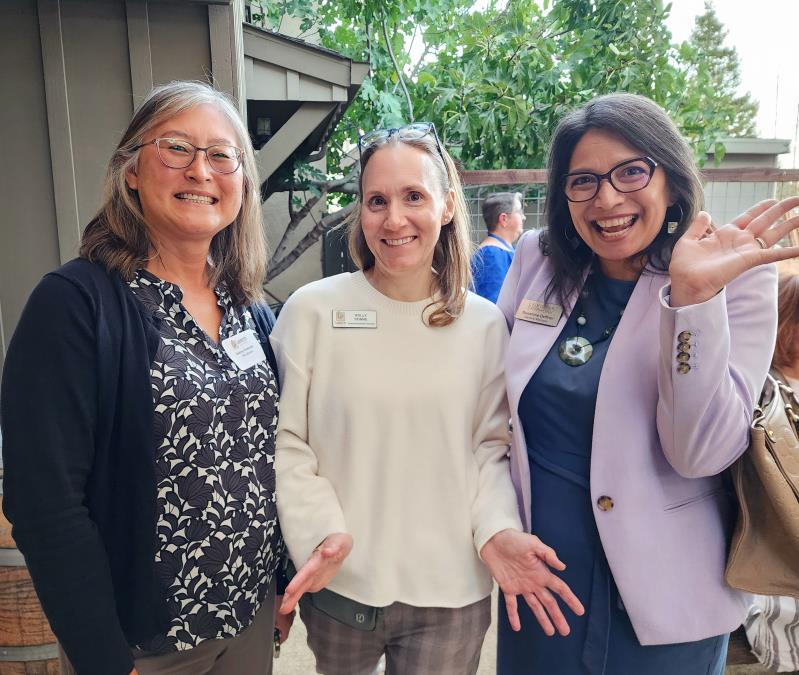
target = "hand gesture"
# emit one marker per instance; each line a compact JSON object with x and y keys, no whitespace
{"x":520,"y":564}
{"x":703,"y":263}
{"x":318,"y":570}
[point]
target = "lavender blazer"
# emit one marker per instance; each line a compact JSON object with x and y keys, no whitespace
{"x":662,"y":436}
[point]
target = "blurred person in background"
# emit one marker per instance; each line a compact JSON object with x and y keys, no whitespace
{"x":503,"y":213}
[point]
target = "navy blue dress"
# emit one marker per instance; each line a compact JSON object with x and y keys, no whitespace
{"x":556,"y":410}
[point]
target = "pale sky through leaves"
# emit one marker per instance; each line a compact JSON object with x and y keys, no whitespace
{"x":765,"y":34}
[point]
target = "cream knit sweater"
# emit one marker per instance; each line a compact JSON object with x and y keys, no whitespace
{"x":396,"y":434}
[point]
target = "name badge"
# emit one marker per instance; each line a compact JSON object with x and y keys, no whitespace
{"x":539,"y":312}
{"x":354,"y":318}
{"x":244,"y":349}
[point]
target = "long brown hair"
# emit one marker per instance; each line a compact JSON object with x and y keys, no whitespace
{"x":451,"y":254}
{"x":786,"y":353}
{"x":118,"y":235}
{"x":645,"y":126}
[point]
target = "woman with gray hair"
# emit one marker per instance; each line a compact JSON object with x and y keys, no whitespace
{"x":640,"y":340}
{"x":139,"y":407}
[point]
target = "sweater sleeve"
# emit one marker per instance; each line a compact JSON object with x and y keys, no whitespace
{"x":49,"y":410}
{"x":494,"y":507}
{"x":714,"y":357}
{"x":307,"y":505}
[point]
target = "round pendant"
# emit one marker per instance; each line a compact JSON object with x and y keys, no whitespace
{"x":575,"y":351}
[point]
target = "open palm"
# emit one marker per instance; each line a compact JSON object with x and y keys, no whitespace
{"x":705,"y":259}
{"x":522,"y":565}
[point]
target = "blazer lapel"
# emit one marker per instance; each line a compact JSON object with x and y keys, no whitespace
{"x":626,"y":403}
{"x":530,"y":342}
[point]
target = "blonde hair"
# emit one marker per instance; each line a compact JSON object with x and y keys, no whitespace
{"x":118,"y":235}
{"x":452,"y":251}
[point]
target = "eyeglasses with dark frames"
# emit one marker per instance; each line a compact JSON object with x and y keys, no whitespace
{"x":179,"y":154}
{"x":630,"y":175}
{"x":409,"y":132}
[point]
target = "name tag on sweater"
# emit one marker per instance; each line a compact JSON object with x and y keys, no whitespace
{"x":244,"y":349}
{"x":354,"y":318}
{"x":539,"y":312}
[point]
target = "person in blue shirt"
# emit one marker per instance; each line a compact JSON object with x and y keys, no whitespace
{"x":503,"y":213}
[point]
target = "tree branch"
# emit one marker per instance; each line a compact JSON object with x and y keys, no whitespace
{"x":347,"y":185}
{"x":420,"y":62}
{"x":295,"y":220}
{"x":339,"y":183}
{"x":348,"y":182}
{"x":320,"y":154}
{"x":291,"y":203}
{"x":329,"y":221}
{"x":397,"y":69}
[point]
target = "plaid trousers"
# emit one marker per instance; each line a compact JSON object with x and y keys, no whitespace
{"x":415,"y":640}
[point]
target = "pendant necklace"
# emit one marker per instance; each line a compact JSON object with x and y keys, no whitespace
{"x":577,"y":350}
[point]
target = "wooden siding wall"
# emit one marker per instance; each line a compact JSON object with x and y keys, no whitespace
{"x":72,"y":73}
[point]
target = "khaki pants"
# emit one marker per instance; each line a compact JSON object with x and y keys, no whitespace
{"x":249,"y":652}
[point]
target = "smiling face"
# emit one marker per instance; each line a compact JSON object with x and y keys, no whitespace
{"x":403,"y":210}
{"x":195,"y":203}
{"x":616,"y":225}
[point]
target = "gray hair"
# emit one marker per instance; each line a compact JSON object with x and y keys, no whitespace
{"x":118,"y":236}
{"x":498,"y":203}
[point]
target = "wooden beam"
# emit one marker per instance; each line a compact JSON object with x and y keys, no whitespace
{"x":140,"y":54}
{"x":291,"y":135}
{"x":292,"y":85}
{"x":61,"y":151}
{"x":504,"y":177}
{"x":227,"y":50}
{"x":754,"y":174}
{"x":293,"y":55}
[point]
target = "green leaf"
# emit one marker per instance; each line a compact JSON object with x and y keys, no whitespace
{"x":498,"y":76}
{"x":425,"y":78}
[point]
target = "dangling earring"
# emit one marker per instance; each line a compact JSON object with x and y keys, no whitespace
{"x":574,"y":241}
{"x":674,"y":216}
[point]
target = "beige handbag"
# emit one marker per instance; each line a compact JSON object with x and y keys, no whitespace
{"x":764,"y":556}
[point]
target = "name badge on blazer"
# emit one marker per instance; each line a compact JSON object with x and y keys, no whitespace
{"x":539,"y":312}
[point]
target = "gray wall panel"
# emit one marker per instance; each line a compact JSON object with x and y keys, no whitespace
{"x":100,"y":105}
{"x":180,"y":42}
{"x":28,"y":234}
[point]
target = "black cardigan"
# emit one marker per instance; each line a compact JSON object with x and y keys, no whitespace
{"x":78,"y":453}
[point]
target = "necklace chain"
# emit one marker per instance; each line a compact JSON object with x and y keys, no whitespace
{"x":577,"y":350}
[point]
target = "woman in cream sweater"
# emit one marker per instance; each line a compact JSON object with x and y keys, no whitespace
{"x":394,"y":488}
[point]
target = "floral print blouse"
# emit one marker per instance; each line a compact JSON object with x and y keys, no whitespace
{"x":215,"y":437}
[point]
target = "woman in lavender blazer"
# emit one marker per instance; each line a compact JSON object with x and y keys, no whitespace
{"x":640,"y":338}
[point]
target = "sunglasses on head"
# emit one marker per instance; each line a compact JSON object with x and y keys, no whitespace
{"x":410,"y":132}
